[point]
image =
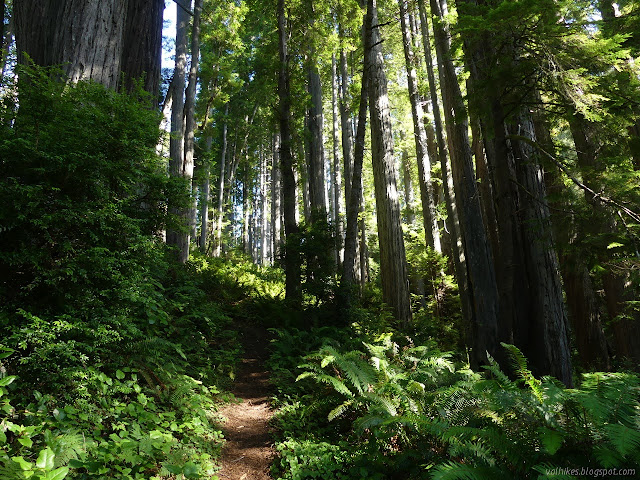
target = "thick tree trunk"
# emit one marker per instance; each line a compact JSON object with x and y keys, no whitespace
{"x":292,"y":258}
{"x":482,"y":288}
{"x":427,"y":195}
{"x":585,"y":315}
{"x":393,"y":262}
{"x":142,"y":46}
{"x":93,"y":40}
{"x":532,"y":312}
{"x":548,"y":346}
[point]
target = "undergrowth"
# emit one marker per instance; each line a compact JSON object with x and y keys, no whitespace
{"x":386,"y":408}
{"x":112,"y":355}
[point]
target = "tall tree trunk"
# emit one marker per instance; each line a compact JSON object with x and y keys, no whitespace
{"x":317,"y":196}
{"x":582,"y":303}
{"x":276,"y":195}
{"x":352,"y":266}
{"x":264,"y":200}
{"x":482,"y":288}
{"x":221,"y":183}
{"x":246,"y":207}
{"x":6,"y":38}
{"x":393,"y":262}
{"x":292,"y":258}
{"x":427,"y":195}
{"x":346,"y":126}
{"x":204,"y":200}
{"x":531,"y":301}
{"x":335,"y":169}
{"x":189,"y":133}
{"x":176,"y":140}
{"x":409,"y":197}
{"x":451,"y":237}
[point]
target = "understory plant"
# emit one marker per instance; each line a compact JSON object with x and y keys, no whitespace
{"x":427,"y":418}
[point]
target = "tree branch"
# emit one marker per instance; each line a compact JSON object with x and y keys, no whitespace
{"x":181,"y":5}
{"x":596,"y":196}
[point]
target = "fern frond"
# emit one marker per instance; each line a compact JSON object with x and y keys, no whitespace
{"x":521,"y":367}
{"x":382,"y":403}
{"x":625,"y":440}
{"x":459,"y":471}
{"x":339,"y":410}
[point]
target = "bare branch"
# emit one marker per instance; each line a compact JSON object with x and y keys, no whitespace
{"x":594,"y":195}
{"x":181,"y":5}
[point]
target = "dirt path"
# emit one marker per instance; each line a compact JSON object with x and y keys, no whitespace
{"x":248,"y":451}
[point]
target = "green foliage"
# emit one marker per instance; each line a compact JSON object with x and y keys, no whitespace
{"x":403,"y":401}
{"x":112,"y":353}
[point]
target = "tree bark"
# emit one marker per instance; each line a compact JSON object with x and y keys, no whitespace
{"x":292,"y":258}
{"x":452,"y":237}
{"x":142,"y":46}
{"x":221,"y":184}
{"x":276,"y":195}
{"x":176,"y":140}
{"x":482,"y":288}
{"x":93,"y":40}
{"x":204,"y":200}
{"x":427,"y":195}
{"x":352,"y":266}
{"x":531,"y":301}
{"x":189,"y":133}
{"x":336,"y":216}
{"x":317,"y":195}
{"x":393,"y":262}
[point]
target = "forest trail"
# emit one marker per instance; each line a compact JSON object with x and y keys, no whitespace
{"x":248,"y":450}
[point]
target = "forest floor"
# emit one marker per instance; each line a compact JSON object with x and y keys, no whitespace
{"x":248,"y":450}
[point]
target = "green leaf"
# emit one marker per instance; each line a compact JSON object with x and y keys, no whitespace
{"x":5,"y":352}
{"x":119,"y":374}
{"x":74,"y":463}
{"x":24,"y":465}
{"x":175,"y":469}
{"x":45,"y":459}
{"x":614,"y":245}
{"x":190,"y":470}
{"x":3,"y":438}
{"x":26,"y":441}
{"x":57,"y":474}
{"x":7,"y":380}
